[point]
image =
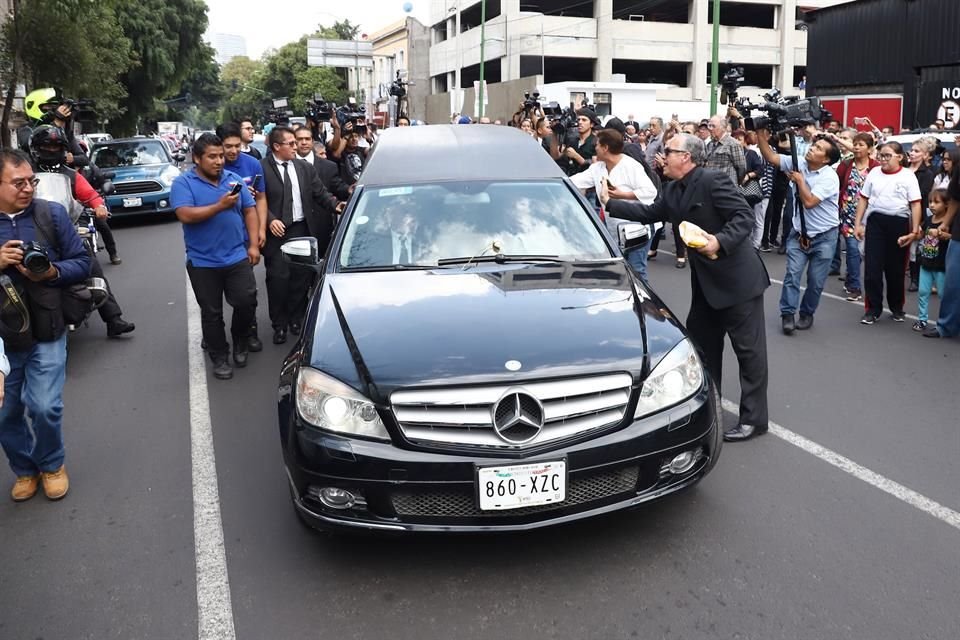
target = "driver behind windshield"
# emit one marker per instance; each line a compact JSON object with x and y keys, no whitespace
{"x":396,"y":238}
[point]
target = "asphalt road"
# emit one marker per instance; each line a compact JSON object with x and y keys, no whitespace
{"x":775,"y":543}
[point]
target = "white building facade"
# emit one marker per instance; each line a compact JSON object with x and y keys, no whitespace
{"x":666,"y":43}
{"x":229,"y":46}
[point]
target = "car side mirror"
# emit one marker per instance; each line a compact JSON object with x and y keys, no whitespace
{"x":304,"y":252}
{"x":107,"y":187}
{"x":632,"y":235}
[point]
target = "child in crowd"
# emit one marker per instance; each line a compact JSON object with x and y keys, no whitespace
{"x":932,"y":255}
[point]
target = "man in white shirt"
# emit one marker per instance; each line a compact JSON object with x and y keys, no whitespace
{"x":626,"y":180}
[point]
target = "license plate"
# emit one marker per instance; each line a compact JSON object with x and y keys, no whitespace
{"x":132,"y":202}
{"x":522,"y":485}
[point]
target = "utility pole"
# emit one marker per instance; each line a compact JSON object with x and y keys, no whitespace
{"x":483,"y":33}
{"x":715,"y":61}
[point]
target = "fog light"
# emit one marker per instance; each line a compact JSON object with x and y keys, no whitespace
{"x":336,"y":498}
{"x":163,"y":204}
{"x":683,"y":462}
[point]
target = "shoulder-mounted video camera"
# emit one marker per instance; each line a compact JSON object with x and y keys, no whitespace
{"x":318,"y":109}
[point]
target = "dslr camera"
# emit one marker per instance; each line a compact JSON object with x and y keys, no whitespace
{"x":35,"y":258}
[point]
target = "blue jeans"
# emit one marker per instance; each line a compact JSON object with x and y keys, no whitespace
{"x":949,"y":322}
{"x":637,"y":257}
{"x":853,"y":263}
{"x":928,"y":280}
{"x":816,"y":262}
{"x":35,"y":388}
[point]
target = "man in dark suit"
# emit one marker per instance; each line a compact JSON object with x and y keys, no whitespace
{"x":328,"y":170}
{"x":396,"y":238}
{"x":297,"y":205}
{"x":727,"y":290}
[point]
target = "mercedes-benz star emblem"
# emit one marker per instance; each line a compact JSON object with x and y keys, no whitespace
{"x":518,"y":417}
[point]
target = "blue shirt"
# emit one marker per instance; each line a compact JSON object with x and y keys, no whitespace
{"x":825,"y":185}
{"x":246,"y":166}
{"x":218,"y":241}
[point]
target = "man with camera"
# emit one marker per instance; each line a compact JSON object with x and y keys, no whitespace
{"x":812,"y":239}
{"x":221,"y":232}
{"x":40,"y":255}
{"x":580,"y":154}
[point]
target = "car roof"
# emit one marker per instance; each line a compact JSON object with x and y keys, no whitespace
{"x":437,"y":153}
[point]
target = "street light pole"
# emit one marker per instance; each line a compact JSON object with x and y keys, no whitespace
{"x":715,"y":60}
{"x":483,"y":33}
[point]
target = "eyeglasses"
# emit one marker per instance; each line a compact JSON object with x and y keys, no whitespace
{"x":668,"y":151}
{"x":292,"y":143}
{"x":21,"y":183}
{"x":887,"y":156}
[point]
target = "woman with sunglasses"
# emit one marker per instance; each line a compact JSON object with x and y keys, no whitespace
{"x":890,"y":202}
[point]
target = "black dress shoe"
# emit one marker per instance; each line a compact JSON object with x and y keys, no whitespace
{"x":118,"y":327}
{"x":221,"y":368}
{"x":295,"y":328}
{"x":786,"y":320}
{"x":254,"y":345}
{"x":804,"y":323}
{"x":279,"y":336}
{"x":240,"y":357}
{"x":742,"y":432}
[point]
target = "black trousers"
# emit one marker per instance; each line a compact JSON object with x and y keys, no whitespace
{"x":286,"y":288}
{"x":211,"y":285}
{"x":109,"y":310}
{"x":771,"y":219}
{"x":104,"y":230}
{"x":678,"y":244}
{"x":744,"y":323}
{"x":883,"y":258}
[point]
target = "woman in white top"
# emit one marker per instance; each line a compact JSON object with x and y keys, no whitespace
{"x":891,"y":198}
{"x":950,"y":159}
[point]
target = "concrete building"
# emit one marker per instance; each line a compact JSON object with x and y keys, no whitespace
{"x":403,"y":46}
{"x":664,"y":43}
{"x":228,"y":46}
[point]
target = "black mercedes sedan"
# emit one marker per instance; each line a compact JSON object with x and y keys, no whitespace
{"x":478,"y":356}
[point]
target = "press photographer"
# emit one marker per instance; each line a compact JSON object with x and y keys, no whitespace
{"x":349,"y":137}
{"x":37,"y":265}
{"x":47,"y":106}
{"x":580,"y":151}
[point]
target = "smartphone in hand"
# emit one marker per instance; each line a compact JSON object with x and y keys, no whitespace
{"x":236,"y":188}
{"x":256,"y":181}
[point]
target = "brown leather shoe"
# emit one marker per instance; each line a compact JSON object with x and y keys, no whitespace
{"x":25,"y":488}
{"x":55,"y":483}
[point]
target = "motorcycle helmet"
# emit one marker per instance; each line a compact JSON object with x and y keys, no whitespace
{"x":41,"y":142}
{"x":36,"y":99}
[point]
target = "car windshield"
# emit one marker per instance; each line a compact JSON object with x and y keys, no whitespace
{"x":426,"y":223}
{"x":130,"y":154}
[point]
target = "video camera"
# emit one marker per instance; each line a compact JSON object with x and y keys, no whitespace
{"x":783,"y":113}
{"x":398,"y":88}
{"x":730,"y":83}
{"x":82,"y":110}
{"x":352,"y":112}
{"x":319,"y":110}
{"x":279,"y":113}
{"x":563,"y":123}
{"x":531,"y":100}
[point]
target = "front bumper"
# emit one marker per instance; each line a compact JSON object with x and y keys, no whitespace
{"x":404,"y":490}
{"x":157,"y":202}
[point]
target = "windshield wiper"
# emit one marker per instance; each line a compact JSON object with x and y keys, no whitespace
{"x":499,"y":258}
{"x":388,"y":267}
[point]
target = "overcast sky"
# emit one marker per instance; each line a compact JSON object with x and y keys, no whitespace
{"x":276,"y":22}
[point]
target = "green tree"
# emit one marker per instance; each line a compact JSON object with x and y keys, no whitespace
{"x":318,"y":80}
{"x":42,"y":46}
{"x":167,"y":37}
{"x":241,"y":80}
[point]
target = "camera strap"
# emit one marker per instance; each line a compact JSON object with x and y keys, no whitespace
{"x":13,"y":306}
{"x":804,"y":238}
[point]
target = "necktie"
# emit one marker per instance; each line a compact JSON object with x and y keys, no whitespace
{"x":287,"y":196}
{"x":404,"y":250}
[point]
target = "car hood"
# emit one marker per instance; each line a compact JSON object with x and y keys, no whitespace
{"x":139,"y":172}
{"x":378,"y":331}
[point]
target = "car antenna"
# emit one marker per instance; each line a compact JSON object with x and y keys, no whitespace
{"x":493,"y":246}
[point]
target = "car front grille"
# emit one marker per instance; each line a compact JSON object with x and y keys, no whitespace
{"x":136,"y":186}
{"x":460,"y":502}
{"x":465,"y":415}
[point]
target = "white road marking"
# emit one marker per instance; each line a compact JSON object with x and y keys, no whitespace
{"x":895,"y":489}
{"x":214,"y":608}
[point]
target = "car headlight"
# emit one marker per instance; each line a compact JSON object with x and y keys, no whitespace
{"x":327,"y":403}
{"x":167,"y":176}
{"x":677,"y":377}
